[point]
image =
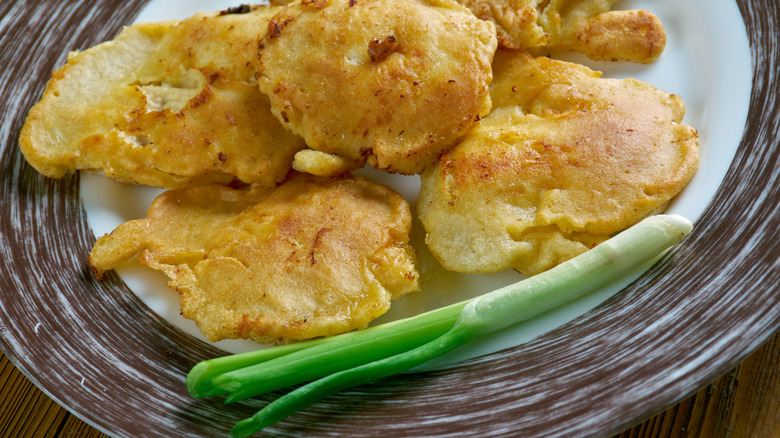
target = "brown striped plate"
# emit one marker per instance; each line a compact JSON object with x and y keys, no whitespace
{"x":115,"y":353}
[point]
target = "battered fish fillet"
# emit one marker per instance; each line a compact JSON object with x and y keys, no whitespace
{"x":586,"y":26}
{"x":394,"y":83}
{"x":314,"y":257}
{"x":166,"y":104}
{"x":564,"y":160}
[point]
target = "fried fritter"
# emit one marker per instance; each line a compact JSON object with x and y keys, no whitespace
{"x":166,"y":104}
{"x":390,"y":82}
{"x":565,"y":159}
{"x":314,"y":257}
{"x":586,"y":26}
{"x":591,"y":28}
{"x":517,"y":21}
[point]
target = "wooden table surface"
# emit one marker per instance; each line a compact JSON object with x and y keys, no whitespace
{"x":743,"y":403}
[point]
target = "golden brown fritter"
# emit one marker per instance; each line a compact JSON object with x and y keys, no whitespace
{"x":391,"y":82}
{"x":165,"y":104}
{"x":314,"y":257}
{"x":591,"y":28}
{"x":565,"y":159}
{"x":517,"y":21}
{"x":586,"y":26}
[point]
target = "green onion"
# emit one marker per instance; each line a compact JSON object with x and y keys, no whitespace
{"x":359,"y":357}
{"x":257,"y":372}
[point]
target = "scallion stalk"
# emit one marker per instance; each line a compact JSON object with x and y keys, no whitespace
{"x":256,"y":372}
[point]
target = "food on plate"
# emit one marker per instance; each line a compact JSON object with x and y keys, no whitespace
{"x":390,"y":82}
{"x":564,"y":160}
{"x":313,"y":257}
{"x":166,"y":104}
{"x":590,"y":27}
{"x":517,"y":21}
{"x":323,"y":164}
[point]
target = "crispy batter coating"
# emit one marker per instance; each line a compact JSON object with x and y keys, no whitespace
{"x":391,"y":82}
{"x":166,"y":104}
{"x":586,"y":26}
{"x":517,"y":21}
{"x":314,"y":257}
{"x":323,"y":164}
{"x":565,"y":159}
{"x":591,"y":28}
